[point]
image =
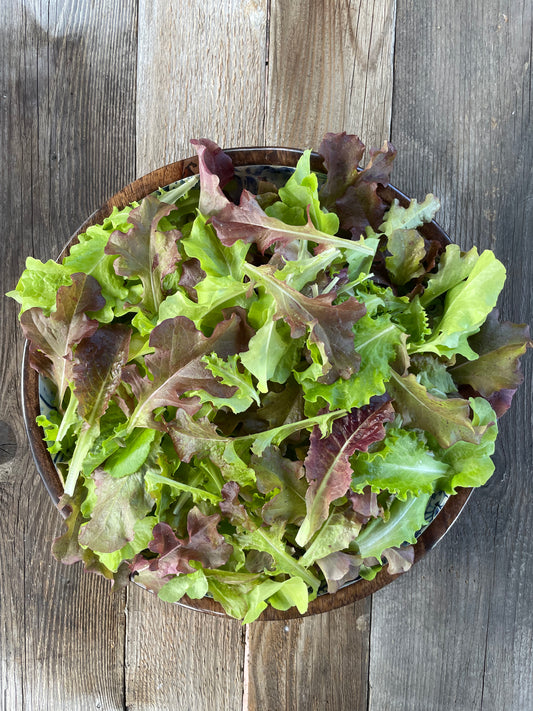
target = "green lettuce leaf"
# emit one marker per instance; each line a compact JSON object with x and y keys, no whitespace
{"x":120,"y":503}
{"x":448,"y":420}
{"x":215,"y":258}
{"x":297,"y":273}
{"x":270,"y":540}
{"x":280,"y":594}
{"x":214,"y":294}
{"x":467,"y":306}
{"x":454,"y":267}
{"x":275,"y":472}
{"x":142,"y":530}
{"x":405,"y":520}
{"x":194,"y":585}
{"x":88,"y":255}
{"x":229,"y":373}
{"x":409,"y":218}
{"x":199,"y":438}
{"x":375,"y":342}
{"x":470,"y":464}
{"x":433,"y":374}
{"x":403,"y":466}
{"x":154,"y":481}
{"x":131,"y":453}
{"x":321,"y":423}
{"x":407,"y":249}
{"x":39,"y":284}
{"x":300,"y":195}
{"x":272,"y":352}
{"x":336,"y":534}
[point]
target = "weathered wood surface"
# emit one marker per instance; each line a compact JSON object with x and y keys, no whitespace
{"x":66,"y":102}
{"x":457,"y":632}
{"x":95,"y":94}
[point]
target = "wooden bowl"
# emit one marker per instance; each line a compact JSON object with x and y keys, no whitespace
{"x":30,"y":379}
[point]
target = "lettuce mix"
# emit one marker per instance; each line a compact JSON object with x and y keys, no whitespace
{"x":257,"y":399}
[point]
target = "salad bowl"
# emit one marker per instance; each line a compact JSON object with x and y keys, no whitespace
{"x":251,"y":166}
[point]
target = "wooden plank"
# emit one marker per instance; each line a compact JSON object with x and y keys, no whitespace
{"x":201,"y":73}
{"x":67,"y":79}
{"x":12,"y":632}
{"x":342,"y":50}
{"x":330,"y":69}
{"x":311,"y":664}
{"x":179,"y":658}
{"x":456,"y":631}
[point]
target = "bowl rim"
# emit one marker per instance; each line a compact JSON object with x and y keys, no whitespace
{"x":134,"y":191}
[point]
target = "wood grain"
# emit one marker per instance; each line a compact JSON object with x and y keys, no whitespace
{"x":180,"y":659}
{"x":330,"y":69}
{"x":311,"y":664}
{"x":61,"y":633}
{"x":461,"y":121}
{"x":201,"y":73}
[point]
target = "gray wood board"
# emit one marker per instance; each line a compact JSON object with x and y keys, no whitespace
{"x":67,"y":101}
{"x":457,"y":631}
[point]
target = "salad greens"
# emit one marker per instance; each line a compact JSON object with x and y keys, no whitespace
{"x":256,"y":400}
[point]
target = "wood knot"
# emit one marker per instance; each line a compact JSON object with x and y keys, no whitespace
{"x":8,"y":443}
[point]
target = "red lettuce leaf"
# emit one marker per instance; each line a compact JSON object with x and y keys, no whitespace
{"x":176,"y":366}
{"x":353,"y":194}
{"x":399,"y":559}
{"x":191,"y":275}
{"x":66,"y":548}
{"x":327,"y":464}
{"x":53,"y":337}
{"x":249,"y":223}
{"x":339,"y":568}
{"x":97,"y":369}
{"x":365,"y":505}
{"x":145,"y":252}
{"x":361,"y":205}
{"x":204,"y":545}
{"x":501,"y":401}
{"x":97,"y":373}
{"x":231,"y":508}
{"x":342,"y":153}
{"x":216,"y":169}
